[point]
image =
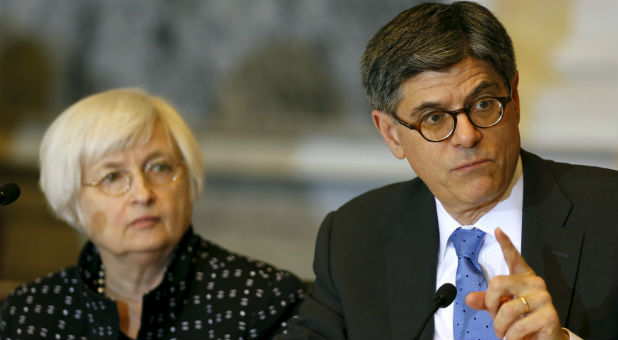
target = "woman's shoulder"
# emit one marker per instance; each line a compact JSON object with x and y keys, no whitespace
{"x":56,"y":285}
{"x":218,"y":262}
{"x":38,"y":305}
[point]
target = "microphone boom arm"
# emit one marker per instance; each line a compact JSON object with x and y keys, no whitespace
{"x":444,"y":296}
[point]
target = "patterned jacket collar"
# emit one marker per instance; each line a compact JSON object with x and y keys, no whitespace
{"x":90,"y":263}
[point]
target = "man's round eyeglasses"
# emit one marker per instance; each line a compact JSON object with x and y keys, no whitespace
{"x":437,"y":126}
{"x":155,"y":172}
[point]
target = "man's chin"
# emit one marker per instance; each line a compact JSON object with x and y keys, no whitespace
{"x":480,"y":193}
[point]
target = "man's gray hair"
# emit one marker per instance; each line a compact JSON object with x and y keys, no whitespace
{"x":432,"y":37}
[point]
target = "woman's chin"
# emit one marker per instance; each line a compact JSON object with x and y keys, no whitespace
{"x":142,"y":244}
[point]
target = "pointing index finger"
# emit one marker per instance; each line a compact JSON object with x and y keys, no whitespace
{"x":514,"y":260}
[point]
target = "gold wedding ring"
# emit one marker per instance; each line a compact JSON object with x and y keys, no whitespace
{"x":523,"y":300}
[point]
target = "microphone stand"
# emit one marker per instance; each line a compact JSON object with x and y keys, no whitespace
{"x":429,"y":316}
{"x":444,"y":297}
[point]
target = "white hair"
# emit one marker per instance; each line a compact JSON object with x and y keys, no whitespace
{"x":102,"y":123}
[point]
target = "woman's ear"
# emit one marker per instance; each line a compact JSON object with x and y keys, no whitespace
{"x":78,"y":223}
{"x":388,"y":129}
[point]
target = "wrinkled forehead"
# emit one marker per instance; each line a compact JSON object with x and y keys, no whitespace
{"x":468,"y":76}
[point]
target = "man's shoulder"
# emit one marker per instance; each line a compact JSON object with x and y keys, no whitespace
{"x":574,"y":175}
{"x":388,"y":197}
{"x":590,"y":192}
{"x":377,"y":210}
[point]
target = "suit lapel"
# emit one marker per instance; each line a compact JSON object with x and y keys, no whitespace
{"x":550,"y":249}
{"x":411,"y":259}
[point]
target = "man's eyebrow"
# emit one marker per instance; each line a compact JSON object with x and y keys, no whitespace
{"x":438,"y":106}
{"x":482,"y":87}
{"x":422,"y":107}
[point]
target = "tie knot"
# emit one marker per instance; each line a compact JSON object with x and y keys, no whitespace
{"x":467,"y":242}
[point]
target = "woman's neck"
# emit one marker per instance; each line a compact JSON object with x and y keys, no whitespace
{"x":130,"y":277}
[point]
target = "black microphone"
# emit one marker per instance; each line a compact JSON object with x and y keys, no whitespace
{"x":9,"y":193}
{"x":444,"y":297}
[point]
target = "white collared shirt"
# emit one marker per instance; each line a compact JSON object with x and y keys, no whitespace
{"x":506,"y":215}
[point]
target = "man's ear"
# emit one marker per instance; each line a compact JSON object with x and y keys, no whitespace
{"x":388,"y":129}
{"x":515,"y":92}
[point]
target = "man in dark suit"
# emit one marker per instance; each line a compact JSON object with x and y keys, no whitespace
{"x":442,"y":82}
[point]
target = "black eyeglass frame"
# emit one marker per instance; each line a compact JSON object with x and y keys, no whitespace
{"x":466,"y":110}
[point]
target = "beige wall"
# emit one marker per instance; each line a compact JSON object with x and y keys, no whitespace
{"x":567,"y":54}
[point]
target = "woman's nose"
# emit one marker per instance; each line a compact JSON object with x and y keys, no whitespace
{"x":141,"y":190}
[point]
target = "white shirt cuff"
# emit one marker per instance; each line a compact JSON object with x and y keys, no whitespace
{"x":572,"y":336}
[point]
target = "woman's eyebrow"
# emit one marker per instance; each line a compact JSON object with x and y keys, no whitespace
{"x":109,"y":165}
{"x":157,"y":154}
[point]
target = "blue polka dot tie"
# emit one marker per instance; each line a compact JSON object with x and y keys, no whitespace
{"x":469,"y":323}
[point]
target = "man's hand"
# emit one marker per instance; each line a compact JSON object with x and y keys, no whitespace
{"x":534,"y":316}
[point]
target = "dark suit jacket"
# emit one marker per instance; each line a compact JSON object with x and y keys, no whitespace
{"x":376,"y":257}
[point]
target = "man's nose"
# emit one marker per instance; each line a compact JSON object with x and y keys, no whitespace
{"x":465,"y":134}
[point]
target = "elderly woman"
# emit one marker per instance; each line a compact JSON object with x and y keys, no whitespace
{"x":124,"y":168}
